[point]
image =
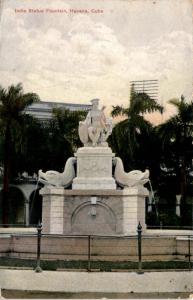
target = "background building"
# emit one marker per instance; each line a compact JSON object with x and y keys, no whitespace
{"x":43,"y":110}
{"x":150,"y":87}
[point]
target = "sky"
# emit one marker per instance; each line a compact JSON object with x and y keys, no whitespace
{"x":77,"y":50}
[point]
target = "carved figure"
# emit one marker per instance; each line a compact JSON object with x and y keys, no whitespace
{"x":96,"y":128}
{"x":59,"y":179}
{"x":130,"y":179}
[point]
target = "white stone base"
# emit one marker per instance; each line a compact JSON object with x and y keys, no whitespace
{"x":94,"y":169}
{"x":99,"y":211}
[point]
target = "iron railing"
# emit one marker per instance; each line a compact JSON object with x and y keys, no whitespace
{"x":139,"y":252}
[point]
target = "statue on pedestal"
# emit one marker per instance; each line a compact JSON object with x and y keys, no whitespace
{"x":96,"y":128}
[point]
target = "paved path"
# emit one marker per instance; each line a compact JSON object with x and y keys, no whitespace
{"x":101,"y":282}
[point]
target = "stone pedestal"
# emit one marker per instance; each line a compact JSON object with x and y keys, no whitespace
{"x":94,"y":169}
{"x":53,"y":209}
{"x":134,"y":209}
{"x":103,"y":212}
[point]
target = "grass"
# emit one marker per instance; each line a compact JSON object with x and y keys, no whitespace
{"x":107,"y":266}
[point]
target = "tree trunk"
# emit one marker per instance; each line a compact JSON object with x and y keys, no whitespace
{"x":183,"y":180}
{"x":5,"y":204}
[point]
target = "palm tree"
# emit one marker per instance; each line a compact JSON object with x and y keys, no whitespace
{"x":176,"y":137}
{"x":13,"y":102}
{"x":128,"y":134}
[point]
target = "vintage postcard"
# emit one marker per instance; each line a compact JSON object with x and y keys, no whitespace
{"x":95,"y":55}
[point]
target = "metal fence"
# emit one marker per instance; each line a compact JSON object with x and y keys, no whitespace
{"x":140,"y":252}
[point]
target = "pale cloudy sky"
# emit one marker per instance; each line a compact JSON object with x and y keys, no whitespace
{"x":75,"y":57}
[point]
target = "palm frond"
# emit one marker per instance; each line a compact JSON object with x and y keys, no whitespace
{"x":184,"y":110}
{"x":142,"y":103}
{"x":28,"y":99}
{"x":119,"y":111}
{"x":175,"y":102}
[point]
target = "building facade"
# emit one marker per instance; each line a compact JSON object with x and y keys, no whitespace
{"x":43,"y":110}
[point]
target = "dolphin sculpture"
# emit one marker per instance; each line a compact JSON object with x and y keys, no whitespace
{"x":130,"y":179}
{"x":59,"y":179}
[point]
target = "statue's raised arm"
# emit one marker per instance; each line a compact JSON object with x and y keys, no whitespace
{"x":96,"y":128}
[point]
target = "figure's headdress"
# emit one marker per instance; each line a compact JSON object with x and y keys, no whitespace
{"x":95,"y":101}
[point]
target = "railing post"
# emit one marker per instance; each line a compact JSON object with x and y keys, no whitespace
{"x":39,"y":234}
{"x":88,"y":269}
{"x":189,"y":253}
{"x":139,"y":231}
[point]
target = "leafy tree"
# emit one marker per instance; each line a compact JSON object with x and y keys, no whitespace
{"x":63,"y":136}
{"x":67,"y":123}
{"x":33,"y":149}
{"x":48,"y":145}
{"x":176,"y":139}
{"x":58,"y":148}
{"x":13,"y":101}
